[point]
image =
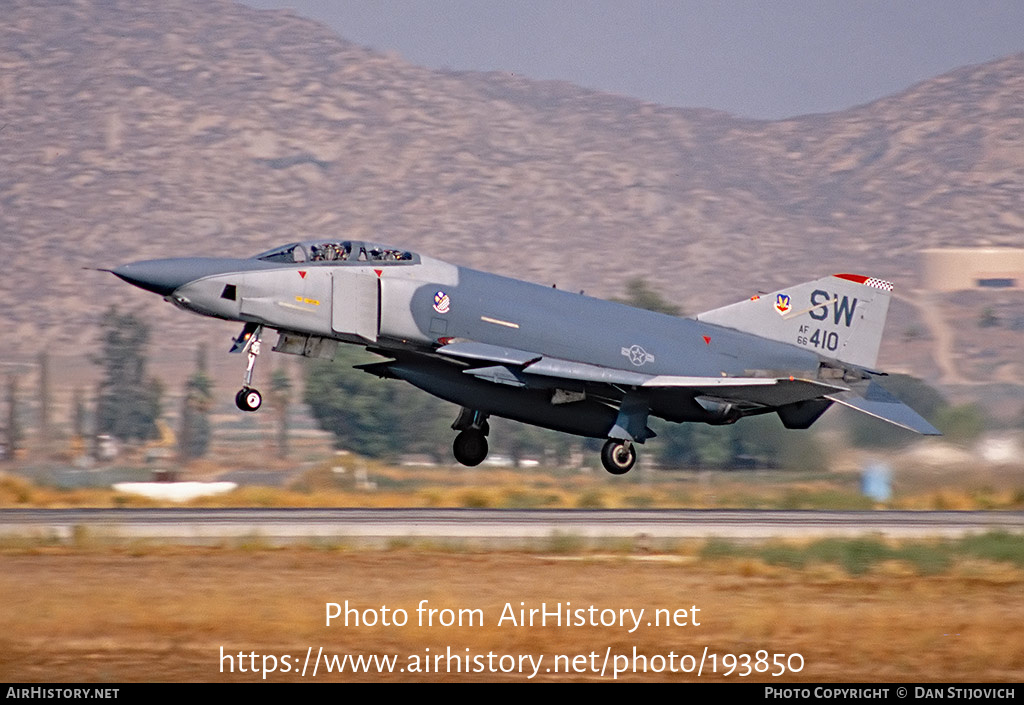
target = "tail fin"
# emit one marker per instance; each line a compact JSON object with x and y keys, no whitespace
{"x":840,"y":317}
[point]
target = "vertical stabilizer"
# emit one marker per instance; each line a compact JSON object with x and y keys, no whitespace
{"x":840,"y":317}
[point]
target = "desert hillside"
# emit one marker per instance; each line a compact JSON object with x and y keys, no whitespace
{"x":138,"y":129}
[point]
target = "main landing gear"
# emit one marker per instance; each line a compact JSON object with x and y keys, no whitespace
{"x":618,"y":457}
{"x":470,"y":446}
{"x":249,"y":399}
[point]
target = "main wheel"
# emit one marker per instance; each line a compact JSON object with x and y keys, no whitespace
{"x":618,"y":457}
{"x":248,"y":399}
{"x":470,"y":447}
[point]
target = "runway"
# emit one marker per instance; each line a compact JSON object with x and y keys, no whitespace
{"x":483,"y":527}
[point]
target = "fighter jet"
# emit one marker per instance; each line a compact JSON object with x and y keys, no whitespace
{"x":543,"y":356}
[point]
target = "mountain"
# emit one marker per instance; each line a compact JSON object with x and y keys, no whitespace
{"x":134,"y":129}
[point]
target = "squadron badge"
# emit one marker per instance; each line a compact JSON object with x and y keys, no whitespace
{"x":782,"y":304}
{"x":441,"y":302}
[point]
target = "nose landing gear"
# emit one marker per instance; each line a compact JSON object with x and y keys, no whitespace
{"x":249,"y":399}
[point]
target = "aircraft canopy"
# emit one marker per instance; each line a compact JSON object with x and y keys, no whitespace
{"x":336,"y":251}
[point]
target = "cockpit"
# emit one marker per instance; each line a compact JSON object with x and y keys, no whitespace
{"x":337,"y":252}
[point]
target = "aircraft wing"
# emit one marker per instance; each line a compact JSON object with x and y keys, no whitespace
{"x":762,"y":391}
{"x":512,"y":367}
{"x":472,"y":350}
{"x":515,"y":367}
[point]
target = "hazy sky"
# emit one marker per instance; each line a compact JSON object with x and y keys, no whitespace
{"x":753,"y":58}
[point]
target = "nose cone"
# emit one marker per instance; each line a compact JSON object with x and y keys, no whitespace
{"x":164,"y":276}
{"x":161,"y":276}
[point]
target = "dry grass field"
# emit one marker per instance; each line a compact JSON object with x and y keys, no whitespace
{"x":165,"y":613}
{"x":333,"y":482}
{"x":854,"y":611}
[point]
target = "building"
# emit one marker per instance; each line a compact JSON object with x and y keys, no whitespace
{"x":959,"y":268}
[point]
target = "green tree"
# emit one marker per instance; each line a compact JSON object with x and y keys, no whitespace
{"x":373,"y":417}
{"x":522,"y":441}
{"x":694,"y":444}
{"x":13,"y":435}
{"x":194,"y":437}
{"x":869,"y":432}
{"x":44,"y":434}
{"x":714,"y":445}
{"x":962,"y":424}
{"x":757,"y":440}
{"x":78,"y":422}
{"x":78,"y":414}
{"x":280,"y":396}
{"x":760,"y":441}
{"x":674,"y":446}
{"x":128,"y":400}
{"x":641,"y":295}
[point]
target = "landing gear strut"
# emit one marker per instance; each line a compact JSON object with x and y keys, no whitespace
{"x":618,"y":457}
{"x":470,"y":446}
{"x":249,"y":399}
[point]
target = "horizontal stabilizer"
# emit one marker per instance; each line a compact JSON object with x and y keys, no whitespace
{"x":876,"y":401}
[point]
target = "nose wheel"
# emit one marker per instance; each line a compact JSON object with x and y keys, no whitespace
{"x":248,"y":399}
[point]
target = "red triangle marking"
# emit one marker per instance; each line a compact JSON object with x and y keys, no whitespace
{"x":707,"y":339}
{"x":379,"y":272}
{"x":302,"y":274}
